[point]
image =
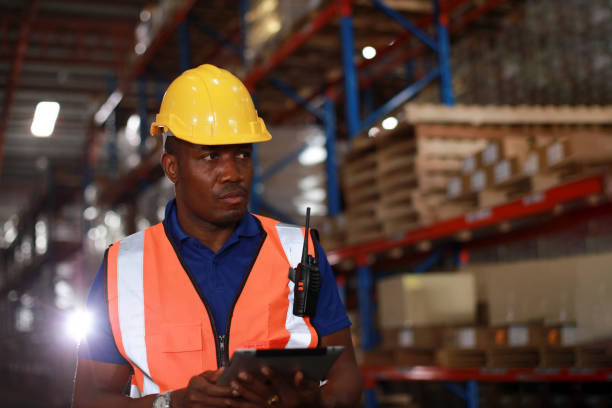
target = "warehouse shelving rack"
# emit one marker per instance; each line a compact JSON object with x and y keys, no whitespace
{"x":471,"y":377}
{"x":588,"y":197}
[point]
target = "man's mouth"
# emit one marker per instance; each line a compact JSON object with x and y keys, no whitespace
{"x":237,"y":196}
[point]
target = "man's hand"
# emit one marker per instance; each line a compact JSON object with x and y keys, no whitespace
{"x":203,"y":391}
{"x":270,"y":389}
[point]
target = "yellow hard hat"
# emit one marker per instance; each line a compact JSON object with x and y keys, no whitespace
{"x":209,"y":106}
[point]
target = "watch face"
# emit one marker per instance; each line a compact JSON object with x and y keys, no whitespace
{"x":162,"y":401}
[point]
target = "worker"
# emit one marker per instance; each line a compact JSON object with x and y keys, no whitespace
{"x":173,"y":302}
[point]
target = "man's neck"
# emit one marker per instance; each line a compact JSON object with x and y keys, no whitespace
{"x":211,"y":235}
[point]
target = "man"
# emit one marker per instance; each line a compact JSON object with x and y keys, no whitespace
{"x":173,"y":302}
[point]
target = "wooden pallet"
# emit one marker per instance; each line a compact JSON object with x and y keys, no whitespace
{"x":414,"y":357}
{"x":461,"y":358}
{"x":588,"y":357}
{"x":513,"y":357}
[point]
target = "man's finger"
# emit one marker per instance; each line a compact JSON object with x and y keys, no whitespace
{"x":255,"y":384}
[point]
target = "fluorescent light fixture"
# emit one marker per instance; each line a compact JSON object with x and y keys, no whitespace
{"x":390,"y":123}
{"x":45,"y":116}
{"x":108,"y":107}
{"x":368,"y":52}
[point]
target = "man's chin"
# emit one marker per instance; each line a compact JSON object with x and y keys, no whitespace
{"x":232,"y":216}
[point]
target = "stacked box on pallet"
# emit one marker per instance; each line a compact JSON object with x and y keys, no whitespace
{"x":497,"y":165}
{"x":361,"y":193}
{"x":439,"y":160}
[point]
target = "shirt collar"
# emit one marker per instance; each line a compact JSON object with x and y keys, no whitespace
{"x":247,"y":227}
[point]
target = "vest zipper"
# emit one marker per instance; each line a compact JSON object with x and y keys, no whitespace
{"x":221,"y":356}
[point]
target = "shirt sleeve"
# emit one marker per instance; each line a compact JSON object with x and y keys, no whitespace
{"x":331,"y":314}
{"x":99,"y":343}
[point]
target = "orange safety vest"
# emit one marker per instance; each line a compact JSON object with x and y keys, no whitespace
{"x":161,"y":321}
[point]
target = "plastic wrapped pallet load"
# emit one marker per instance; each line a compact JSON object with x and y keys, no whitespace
{"x":410,"y":300}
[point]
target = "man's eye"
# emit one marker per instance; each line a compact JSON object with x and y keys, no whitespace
{"x":208,"y":156}
{"x":244,"y":155}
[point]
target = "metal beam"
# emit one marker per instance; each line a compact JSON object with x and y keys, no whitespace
{"x":29,"y":15}
{"x":292,"y":44}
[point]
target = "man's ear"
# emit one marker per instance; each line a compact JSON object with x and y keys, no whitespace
{"x":169,"y":163}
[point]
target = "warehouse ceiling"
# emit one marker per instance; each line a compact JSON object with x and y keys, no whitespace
{"x":55,"y":50}
{"x":77,"y":52}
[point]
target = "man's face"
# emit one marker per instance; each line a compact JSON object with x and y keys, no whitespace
{"x":214,"y":182}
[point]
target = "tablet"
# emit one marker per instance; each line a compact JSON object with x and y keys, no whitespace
{"x":313,"y":362}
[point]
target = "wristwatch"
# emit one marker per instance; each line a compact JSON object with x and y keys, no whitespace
{"x":162,"y":400}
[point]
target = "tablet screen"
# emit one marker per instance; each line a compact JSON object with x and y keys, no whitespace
{"x":314,"y":363}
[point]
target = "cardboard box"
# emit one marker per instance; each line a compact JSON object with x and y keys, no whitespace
{"x":583,"y":146}
{"x":458,"y":186}
{"x":470,"y":164}
{"x":468,"y":337}
{"x":535,"y":162}
{"x":520,"y":336}
{"x":504,"y":171}
{"x":426,"y":300}
{"x":528,"y":291}
{"x":498,"y":150}
{"x":594,"y":299}
{"x":415,"y":337}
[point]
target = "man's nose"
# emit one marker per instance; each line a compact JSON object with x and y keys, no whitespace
{"x":229,"y":169}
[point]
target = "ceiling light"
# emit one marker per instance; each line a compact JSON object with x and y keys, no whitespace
{"x":368,"y":52}
{"x":373,"y":131}
{"x":108,"y":107}
{"x":390,"y":123}
{"x":45,"y":116}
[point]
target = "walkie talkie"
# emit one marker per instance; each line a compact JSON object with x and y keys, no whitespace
{"x":307,"y":280}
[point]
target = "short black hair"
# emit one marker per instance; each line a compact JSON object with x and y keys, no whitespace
{"x":171,"y":146}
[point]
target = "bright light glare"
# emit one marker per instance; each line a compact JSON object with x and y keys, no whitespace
{"x":368,"y":52}
{"x":312,"y":155}
{"x":112,"y":219}
{"x":108,"y":107}
{"x":389,"y":123}
{"x":373,"y":131}
{"x":314,"y":195}
{"x":45,"y":116}
{"x":78,"y":324}
{"x":309,"y":182}
{"x":90,"y":213}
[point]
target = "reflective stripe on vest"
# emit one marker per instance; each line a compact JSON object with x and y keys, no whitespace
{"x":163,"y":327}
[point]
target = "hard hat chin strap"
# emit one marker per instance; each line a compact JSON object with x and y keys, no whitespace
{"x":165,"y":137}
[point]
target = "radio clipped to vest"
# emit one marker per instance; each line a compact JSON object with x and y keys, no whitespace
{"x":307,"y":279}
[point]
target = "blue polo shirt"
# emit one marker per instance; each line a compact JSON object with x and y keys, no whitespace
{"x":219,"y":276}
